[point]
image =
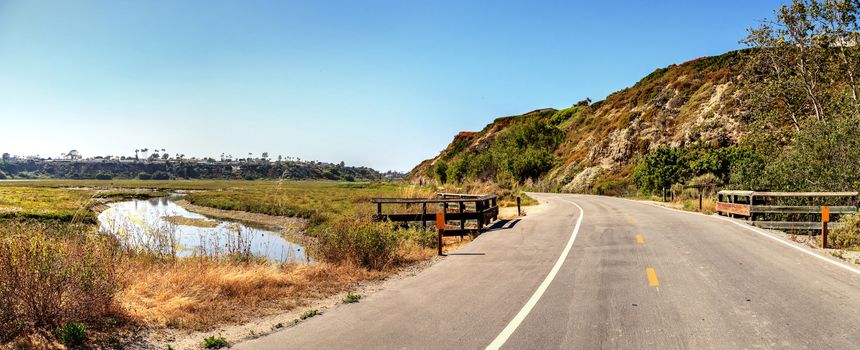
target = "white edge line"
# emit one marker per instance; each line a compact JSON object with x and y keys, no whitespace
{"x":768,"y":235}
{"x":530,"y":304}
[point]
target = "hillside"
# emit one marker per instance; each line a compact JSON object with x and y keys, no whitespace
{"x":598,"y":144}
{"x":184,"y":169}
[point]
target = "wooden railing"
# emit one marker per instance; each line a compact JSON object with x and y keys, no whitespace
{"x":785,"y":210}
{"x":482,"y":209}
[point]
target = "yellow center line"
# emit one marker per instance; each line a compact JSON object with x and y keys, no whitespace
{"x":640,"y":239}
{"x":652,"y":277}
{"x":631,"y":221}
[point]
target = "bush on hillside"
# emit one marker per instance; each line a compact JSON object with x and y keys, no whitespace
{"x":441,"y":172}
{"x":523,"y":151}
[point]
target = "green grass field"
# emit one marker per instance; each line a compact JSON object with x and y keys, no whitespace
{"x":63,"y":199}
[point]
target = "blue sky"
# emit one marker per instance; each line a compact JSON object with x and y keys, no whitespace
{"x":378,"y":83}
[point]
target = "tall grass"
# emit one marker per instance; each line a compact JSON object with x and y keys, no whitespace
{"x":373,"y":245}
{"x":51,"y":274}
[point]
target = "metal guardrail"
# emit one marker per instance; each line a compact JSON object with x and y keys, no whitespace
{"x":757,"y":207}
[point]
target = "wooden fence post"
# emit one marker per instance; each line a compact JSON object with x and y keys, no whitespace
{"x":825,"y":217}
{"x":701,"y":194}
{"x":478,"y":211}
{"x":519,"y":211}
{"x":462,"y":220}
{"x":440,"y":229}
{"x":424,"y":215}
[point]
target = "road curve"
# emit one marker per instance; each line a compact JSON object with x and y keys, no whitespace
{"x":637,"y":276}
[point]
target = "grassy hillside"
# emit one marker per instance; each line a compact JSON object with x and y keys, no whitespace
{"x":781,"y":115}
{"x":594,"y":147}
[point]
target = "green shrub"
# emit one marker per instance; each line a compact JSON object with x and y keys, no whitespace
{"x":160,"y":175}
{"x":351,"y":298}
{"x":308,"y":314}
{"x":667,"y":166}
{"x":215,"y":342}
{"x":563,"y":115}
{"x":72,"y":334}
{"x":103,"y":176}
{"x":821,"y":157}
{"x":427,"y":238}
{"x":144,"y":176}
{"x":369,"y":244}
{"x":847,"y":234}
{"x":524,"y":150}
{"x":660,"y":170}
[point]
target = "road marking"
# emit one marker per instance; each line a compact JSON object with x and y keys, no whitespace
{"x":631,"y":221}
{"x":640,"y":239}
{"x":530,"y":304}
{"x":652,"y":277}
{"x":768,"y":235}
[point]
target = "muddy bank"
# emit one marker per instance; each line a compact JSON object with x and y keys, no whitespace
{"x":291,"y":227}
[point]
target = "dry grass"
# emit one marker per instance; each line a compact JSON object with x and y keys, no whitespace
{"x":54,"y":273}
{"x":198,"y":294}
{"x":709,"y":205}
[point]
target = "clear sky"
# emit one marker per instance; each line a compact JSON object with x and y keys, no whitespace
{"x":378,"y":83}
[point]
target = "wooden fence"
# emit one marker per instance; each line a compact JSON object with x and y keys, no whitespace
{"x":482,"y":209}
{"x":786,"y":210}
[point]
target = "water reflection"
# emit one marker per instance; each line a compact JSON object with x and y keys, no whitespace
{"x":142,"y":225}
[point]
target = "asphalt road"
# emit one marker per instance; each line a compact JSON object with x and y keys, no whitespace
{"x":636,"y":276}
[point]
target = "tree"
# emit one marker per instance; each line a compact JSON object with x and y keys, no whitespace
{"x":165,"y":156}
{"x":802,"y":97}
{"x":441,"y":172}
{"x":660,"y":170}
{"x":74,"y":155}
{"x":6,"y":156}
{"x":804,"y":63}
